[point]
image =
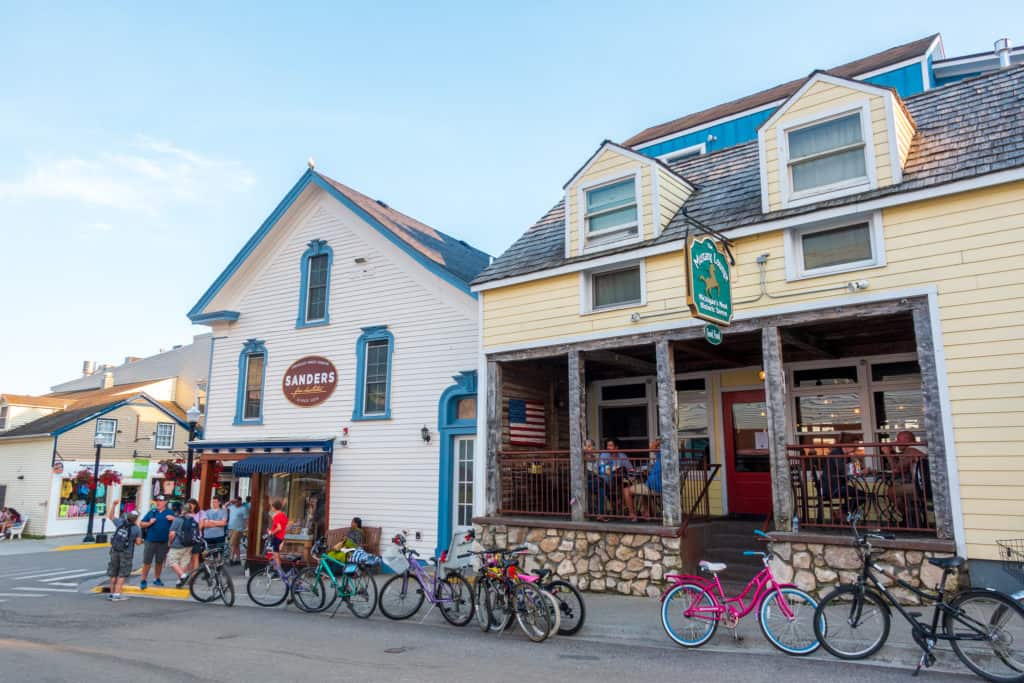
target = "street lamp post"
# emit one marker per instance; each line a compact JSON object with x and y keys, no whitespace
{"x":193,"y":416}
{"x":89,"y":538}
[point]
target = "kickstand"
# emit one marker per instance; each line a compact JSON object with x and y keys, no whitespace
{"x":337,"y":605}
{"x":432,"y":606}
{"x":927,"y":659}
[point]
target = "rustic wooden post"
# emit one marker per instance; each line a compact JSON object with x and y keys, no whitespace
{"x":776,"y":401}
{"x":495,"y":410}
{"x":934,"y":433}
{"x":671,"y":499}
{"x":577,"y":434}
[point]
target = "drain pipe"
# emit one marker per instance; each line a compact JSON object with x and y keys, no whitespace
{"x":762,"y":263}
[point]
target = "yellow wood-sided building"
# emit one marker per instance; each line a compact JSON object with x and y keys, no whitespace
{"x":874,"y":360}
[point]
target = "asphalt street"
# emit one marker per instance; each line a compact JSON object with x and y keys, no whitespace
{"x":62,"y":636}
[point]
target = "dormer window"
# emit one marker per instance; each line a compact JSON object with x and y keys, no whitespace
{"x":612,"y":211}
{"x":826,"y":156}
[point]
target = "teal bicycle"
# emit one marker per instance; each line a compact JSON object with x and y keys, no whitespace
{"x":352,"y":585}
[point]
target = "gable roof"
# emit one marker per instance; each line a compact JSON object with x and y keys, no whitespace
{"x":451,"y":259}
{"x":965,"y":130}
{"x":879,"y":60}
{"x":84,"y":411}
{"x":626,"y":152}
{"x":819,"y":76}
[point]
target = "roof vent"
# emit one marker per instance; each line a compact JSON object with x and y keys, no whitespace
{"x":383,"y":203}
{"x":108,"y":380}
{"x":1002,"y":48}
{"x":88,"y":367}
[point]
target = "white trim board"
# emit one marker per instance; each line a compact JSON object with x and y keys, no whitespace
{"x":898,"y":199}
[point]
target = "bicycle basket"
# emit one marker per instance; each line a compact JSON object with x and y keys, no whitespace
{"x":1011,"y":552}
{"x":395,"y":560}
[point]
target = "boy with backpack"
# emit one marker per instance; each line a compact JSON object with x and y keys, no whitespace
{"x":182,"y":536}
{"x":127,"y":535}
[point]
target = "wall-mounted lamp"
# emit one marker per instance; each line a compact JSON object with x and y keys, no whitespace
{"x":760,"y":375}
{"x":425,"y":434}
{"x":343,"y":441}
{"x":360,"y":260}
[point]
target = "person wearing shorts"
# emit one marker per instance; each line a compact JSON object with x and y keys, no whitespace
{"x":119,"y":566}
{"x":157,"y":524}
{"x":278,"y":528}
{"x":179,"y":555}
{"x":238,"y":522}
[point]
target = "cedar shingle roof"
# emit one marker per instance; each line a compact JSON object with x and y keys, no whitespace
{"x":34,"y":401}
{"x":964,"y":130}
{"x":457,"y":257}
{"x":893,"y":55}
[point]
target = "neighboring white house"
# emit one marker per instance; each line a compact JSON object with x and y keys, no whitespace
{"x":343,"y":376}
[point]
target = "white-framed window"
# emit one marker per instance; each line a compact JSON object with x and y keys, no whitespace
{"x":3,"y":418}
{"x":684,"y":153}
{"x":106,"y":432}
{"x":827,"y":156}
{"x":838,"y":246}
{"x":618,"y":286}
{"x":165,"y":436}
{"x":611,"y":211}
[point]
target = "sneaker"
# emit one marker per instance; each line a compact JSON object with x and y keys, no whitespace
{"x":158,"y":582}
{"x":182,"y":580}
{"x":120,"y":598}
{"x":111,"y":597}
{"x":143,"y":585}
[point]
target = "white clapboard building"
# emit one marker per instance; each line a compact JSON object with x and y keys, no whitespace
{"x":343,"y":377}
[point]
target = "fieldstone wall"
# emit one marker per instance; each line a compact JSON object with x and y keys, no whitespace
{"x":817,"y":568}
{"x":599,"y":561}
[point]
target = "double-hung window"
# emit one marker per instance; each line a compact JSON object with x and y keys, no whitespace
{"x":252,"y":365}
{"x":827,"y":155}
{"x":3,"y":417}
{"x":611,"y":212}
{"x":164,"y":436}
{"x":315,"y":285}
{"x":106,"y":432}
{"x":373,"y":374}
{"x":316,"y":298}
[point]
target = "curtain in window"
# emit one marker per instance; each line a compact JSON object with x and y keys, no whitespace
{"x":620,"y":287}
{"x":316,"y":301}
{"x":819,"y":139}
{"x":834,"y":247}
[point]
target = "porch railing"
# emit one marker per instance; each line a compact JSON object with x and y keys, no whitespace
{"x":535,"y":483}
{"x":889,"y":483}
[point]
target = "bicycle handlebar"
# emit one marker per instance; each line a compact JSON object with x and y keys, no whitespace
{"x":758,"y":532}
{"x":753,"y":553}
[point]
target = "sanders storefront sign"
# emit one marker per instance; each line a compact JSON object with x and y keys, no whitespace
{"x":309,"y":381}
{"x":707,"y":269}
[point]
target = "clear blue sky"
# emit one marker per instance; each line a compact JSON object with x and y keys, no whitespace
{"x":142,"y":143}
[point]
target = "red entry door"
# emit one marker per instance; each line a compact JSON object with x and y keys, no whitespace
{"x":746,"y":452}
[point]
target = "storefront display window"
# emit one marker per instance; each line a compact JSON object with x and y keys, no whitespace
{"x":304,"y":501}
{"x":74,"y":500}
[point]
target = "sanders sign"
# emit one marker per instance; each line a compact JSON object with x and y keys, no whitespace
{"x":309,"y":381}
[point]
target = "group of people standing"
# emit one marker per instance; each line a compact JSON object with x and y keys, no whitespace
{"x":174,"y":536}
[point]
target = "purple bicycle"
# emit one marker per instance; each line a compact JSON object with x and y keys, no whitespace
{"x":404,"y":593}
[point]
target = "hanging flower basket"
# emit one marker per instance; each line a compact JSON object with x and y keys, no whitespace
{"x":172,"y":470}
{"x":215,"y":467}
{"x":84,"y":478}
{"x":110,"y":477}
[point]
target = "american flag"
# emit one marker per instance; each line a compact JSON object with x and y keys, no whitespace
{"x":526,"y":423}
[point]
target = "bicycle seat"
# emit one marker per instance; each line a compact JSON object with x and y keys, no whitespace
{"x":291,"y":557}
{"x":712,"y":566}
{"x":542,"y":573}
{"x":946,"y":562}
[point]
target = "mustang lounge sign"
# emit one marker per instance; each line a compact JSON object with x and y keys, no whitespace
{"x":309,"y":381}
{"x":709,"y":282}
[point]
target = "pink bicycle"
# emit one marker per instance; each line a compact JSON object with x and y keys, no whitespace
{"x":693,"y":606}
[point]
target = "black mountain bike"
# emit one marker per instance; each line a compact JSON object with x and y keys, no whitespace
{"x":211,"y":581}
{"x":984,"y":627}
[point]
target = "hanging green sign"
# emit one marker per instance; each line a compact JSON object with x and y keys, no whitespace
{"x":140,"y":468}
{"x":709,"y":282}
{"x":713,"y":333}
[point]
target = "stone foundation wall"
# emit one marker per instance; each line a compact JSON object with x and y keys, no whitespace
{"x":630,"y":564}
{"x":817,"y":568}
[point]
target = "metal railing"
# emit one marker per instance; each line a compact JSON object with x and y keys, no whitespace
{"x":535,"y":483}
{"x":889,"y":483}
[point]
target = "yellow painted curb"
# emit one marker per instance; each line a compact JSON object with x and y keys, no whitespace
{"x":152,"y":591}
{"x":80,"y":546}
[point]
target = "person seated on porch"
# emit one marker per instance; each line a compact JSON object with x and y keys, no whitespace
{"x":10,"y":518}
{"x":616,"y":472}
{"x":835,"y":484}
{"x":911,"y":482}
{"x":648,"y":481}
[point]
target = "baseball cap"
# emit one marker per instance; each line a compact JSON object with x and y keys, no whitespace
{"x":133,"y":515}
{"x":160,"y":496}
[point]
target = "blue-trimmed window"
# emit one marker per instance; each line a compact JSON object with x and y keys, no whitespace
{"x":252,"y":373}
{"x":374,"y":349}
{"x":315,"y":285}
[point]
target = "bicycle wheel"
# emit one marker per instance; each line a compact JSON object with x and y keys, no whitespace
{"x":852,"y":622}
{"x":266,"y":588}
{"x":455,"y":600}
{"x":570,"y":605}
{"x":554,"y":613}
{"x":483,"y":614}
{"x":309,"y":591}
{"x":688,"y":615}
{"x":401,"y":597}
{"x":227,"y":587}
{"x":794,"y":636}
{"x":202,"y":585}
{"x":363,"y":598}
{"x":987,"y":630}
{"x":532,"y":611}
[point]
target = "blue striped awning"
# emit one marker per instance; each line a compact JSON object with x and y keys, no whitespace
{"x":268,"y":464}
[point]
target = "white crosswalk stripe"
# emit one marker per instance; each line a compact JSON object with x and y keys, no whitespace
{"x":72,"y":576}
{"x":48,"y":590}
{"x":36,"y":573}
{"x":22,"y":595}
{"x":56,"y":570}
{"x":62,"y":583}
{"x":44,"y":582}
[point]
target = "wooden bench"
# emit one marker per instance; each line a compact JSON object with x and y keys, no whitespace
{"x":372,"y":544}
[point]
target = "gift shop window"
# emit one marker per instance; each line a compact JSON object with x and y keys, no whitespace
{"x":304,"y":500}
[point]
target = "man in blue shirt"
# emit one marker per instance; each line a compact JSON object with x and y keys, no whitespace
{"x":157,"y":524}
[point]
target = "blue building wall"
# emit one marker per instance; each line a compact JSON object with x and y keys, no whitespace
{"x":907,"y":81}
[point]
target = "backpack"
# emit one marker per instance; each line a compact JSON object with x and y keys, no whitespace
{"x":121,"y":540}
{"x":189,"y":531}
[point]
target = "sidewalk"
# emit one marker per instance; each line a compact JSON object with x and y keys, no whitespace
{"x":28,"y":546}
